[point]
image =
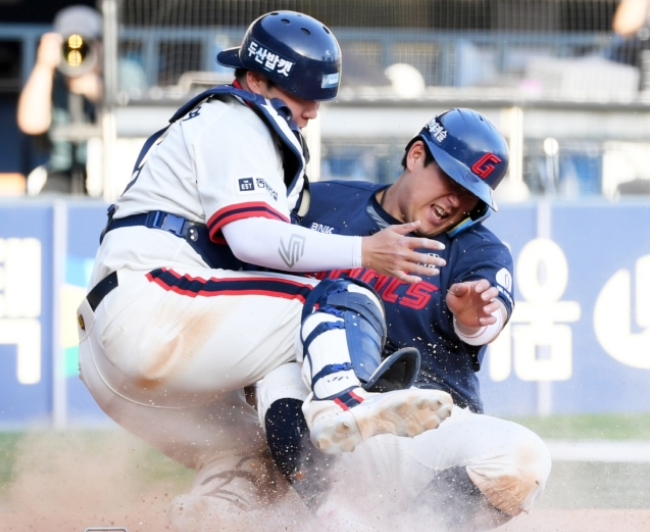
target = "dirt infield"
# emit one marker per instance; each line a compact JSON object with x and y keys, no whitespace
{"x":148,"y":515}
{"x":71,"y":481}
{"x":583,"y":520}
{"x":68,"y":482}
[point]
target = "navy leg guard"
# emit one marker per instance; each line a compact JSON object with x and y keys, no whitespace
{"x":455,"y":499}
{"x":363,"y":320}
{"x":299,"y":461}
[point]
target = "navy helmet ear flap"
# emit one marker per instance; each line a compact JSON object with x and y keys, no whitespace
{"x":478,"y":215}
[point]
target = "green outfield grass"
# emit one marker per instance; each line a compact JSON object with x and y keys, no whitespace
{"x":8,"y":442}
{"x":53,"y":452}
{"x":594,"y":485}
{"x":156,"y":467}
{"x":590,"y":427}
{"x":597,"y":485}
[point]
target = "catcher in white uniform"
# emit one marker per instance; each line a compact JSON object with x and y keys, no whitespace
{"x":173,"y":328}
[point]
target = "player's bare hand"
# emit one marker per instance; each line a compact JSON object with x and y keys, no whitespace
{"x":473,"y":303}
{"x":49,"y":51}
{"x":390,"y":252}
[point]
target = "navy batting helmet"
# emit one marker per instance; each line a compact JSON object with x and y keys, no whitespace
{"x":295,"y":51}
{"x":469,"y":149}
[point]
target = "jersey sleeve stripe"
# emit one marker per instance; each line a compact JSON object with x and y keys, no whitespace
{"x":239,"y":211}
{"x":187,"y":285}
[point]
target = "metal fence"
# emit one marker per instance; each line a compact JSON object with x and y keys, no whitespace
{"x":443,"y":58}
{"x":559,"y":58}
{"x":164,"y":61}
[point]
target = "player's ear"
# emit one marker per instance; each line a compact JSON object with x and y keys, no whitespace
{"x":256,"y":83}
{"x":415,"y":155}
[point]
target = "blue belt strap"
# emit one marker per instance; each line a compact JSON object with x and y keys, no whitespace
{"x":195,"y":234}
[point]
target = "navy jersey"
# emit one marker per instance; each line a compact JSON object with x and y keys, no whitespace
{"x":417,"y":315}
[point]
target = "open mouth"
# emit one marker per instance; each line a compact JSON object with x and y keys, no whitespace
{"x":440,"y":212}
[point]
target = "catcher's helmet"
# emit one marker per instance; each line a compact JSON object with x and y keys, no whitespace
{"x":295,"y":51}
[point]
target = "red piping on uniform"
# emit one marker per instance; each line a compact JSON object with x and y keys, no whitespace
{"x":357,"y":397}
{"x":228,"y":279}
{"x":341,"y":404}
{"x":253,"y":209}
{"x":205,"y":293}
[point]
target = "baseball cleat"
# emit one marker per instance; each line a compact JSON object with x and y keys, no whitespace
{"x":341,"y":424}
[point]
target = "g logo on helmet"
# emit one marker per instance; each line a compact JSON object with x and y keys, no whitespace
{"x":483,"y":167}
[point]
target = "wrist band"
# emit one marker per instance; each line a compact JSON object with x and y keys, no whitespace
{"x":484,"y":335}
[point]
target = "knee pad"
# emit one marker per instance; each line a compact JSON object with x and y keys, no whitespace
{"x":352,"y":305}
{"x":362,"y":316}
{"x":514,"y":486}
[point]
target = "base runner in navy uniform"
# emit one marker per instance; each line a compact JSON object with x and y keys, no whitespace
{"x":476,"y":471}
{"x":173,"y":328}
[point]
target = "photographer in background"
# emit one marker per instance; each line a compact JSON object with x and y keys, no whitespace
{"x":632,"y":21}
{"x":63,"y":89}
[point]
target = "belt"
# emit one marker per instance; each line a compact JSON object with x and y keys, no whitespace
{"x":195,"y":234}
{"x":101,"y":290}
{"x":177,"y":225}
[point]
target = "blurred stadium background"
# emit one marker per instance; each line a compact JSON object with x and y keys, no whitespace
{"x":569,"y":94}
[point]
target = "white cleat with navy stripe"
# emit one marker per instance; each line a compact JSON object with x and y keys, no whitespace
{"x":339,"y":425}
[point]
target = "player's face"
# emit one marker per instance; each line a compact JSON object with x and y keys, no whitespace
{"x":431,"y":196}
{"x":302,"y":110}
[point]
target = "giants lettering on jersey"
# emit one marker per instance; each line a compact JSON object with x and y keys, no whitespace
{"x":390,"y":289}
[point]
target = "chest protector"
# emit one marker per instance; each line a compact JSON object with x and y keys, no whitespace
{"x":277,"y":117}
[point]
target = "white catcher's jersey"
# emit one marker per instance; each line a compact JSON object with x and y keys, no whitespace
{"x":218,"y":164}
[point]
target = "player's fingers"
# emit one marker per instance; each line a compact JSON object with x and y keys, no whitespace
{"x":417,"y":257}
{"x":416,"y":242}
{"x":481,"y":286}
{"x":487,"y":320}
{"x":410,"y":279}
{"x":491,"y":307}
{"x":490,"y":293}
{"x":410,"y":271}
{"x":423,"y":269}
{"x":426,"y":243}
{"x":405,"y":229}
{"x":459,"y":289}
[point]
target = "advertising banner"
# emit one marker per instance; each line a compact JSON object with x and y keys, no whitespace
{"x":578,"y":340}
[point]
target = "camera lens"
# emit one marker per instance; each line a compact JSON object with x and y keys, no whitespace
{"x":75,"y":50}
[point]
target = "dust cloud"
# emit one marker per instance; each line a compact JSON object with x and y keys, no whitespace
{"x":70,"y":481}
